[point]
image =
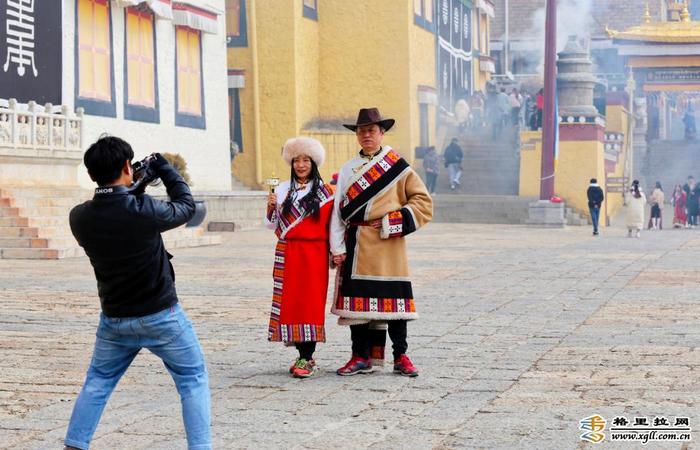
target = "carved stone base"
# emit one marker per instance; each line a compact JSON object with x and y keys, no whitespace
{"x":545,"y":214}
{"x":31,"y":168}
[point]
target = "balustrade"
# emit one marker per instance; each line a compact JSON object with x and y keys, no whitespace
{"x":34,"y":127}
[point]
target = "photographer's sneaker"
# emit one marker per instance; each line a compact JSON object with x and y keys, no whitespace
{"x":356,"y":365}
{"x":405,"y":367}
{"x":304,"y":368}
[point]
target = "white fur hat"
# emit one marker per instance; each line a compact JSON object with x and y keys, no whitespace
{"x":303,"y":146}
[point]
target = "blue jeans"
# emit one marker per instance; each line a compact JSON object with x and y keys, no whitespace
{"x":169,"y":335}
{"x":595,"y":215}
{"x":455,"y":170}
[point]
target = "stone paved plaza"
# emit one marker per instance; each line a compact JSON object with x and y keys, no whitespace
{"x":523,"y":333}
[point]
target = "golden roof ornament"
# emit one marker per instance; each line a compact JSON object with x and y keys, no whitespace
{"x":647,"y":14}
{"x":683,"y":31}
{"x":685,"y":15}
{"x":611,"y":33}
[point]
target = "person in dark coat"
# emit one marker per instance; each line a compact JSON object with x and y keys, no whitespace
{"x":432,"y":168}
{"x":453,"y":161}
{"x":595,"y":201}
{"x":693,"y":197}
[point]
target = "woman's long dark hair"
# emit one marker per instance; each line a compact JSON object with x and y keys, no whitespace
{"x":635,"y":189}
{"x":311,"y":203}
{"x":658,"y":186}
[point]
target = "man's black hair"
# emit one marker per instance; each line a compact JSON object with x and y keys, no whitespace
{"x":105,"y":158}
{"x":593,"y":180}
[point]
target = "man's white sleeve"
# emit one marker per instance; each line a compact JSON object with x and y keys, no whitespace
{"x":337,"y":224}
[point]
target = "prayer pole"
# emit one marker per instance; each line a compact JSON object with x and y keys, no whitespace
{"x":549,"y":120}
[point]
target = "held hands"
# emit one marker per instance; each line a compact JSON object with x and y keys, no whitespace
{"x":338,"y":259}
{"x":271,"y":201}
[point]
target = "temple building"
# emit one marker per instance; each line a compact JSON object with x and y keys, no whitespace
{"x":152,"y":72}
{"x":664,"y":57}
{"x":304,"y":67}
{"x":517,"y":36}
{"x":644,"y":128}
{"x":149,"y":71}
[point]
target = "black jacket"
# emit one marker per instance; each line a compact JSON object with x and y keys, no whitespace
{"x":120,"y":233}
{"x":453,"y":154}
{"x":595,"y":196}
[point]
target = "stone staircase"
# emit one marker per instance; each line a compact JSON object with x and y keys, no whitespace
{"x":34,"y":224}
{"x":670,"y":162}
{"x":500,"y":209}
{"x":461,"y":208}
{"x":576,"y":218}
{"x":489,"y":167}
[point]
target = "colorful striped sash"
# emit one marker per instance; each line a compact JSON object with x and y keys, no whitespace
{"x":381,"y":174}
{"x":297,"y":213}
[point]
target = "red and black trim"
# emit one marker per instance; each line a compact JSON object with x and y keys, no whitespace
{"x":347,"y":210}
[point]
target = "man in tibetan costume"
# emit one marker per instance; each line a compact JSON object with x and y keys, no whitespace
{"x":299,"y":212}
{"x":379,"y":199}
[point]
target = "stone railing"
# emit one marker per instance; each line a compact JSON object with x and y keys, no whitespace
{"x":32,"y":130}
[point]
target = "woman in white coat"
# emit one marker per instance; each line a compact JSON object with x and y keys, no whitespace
{"x":634,"y":217}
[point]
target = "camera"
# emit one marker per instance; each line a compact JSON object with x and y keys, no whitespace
{"x":143,"y":175}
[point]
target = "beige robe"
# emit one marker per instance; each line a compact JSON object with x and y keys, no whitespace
{"x":634,"y":215}
{"x":374,"y":282}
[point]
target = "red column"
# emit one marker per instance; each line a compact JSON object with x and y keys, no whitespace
{"x":549,"y":121}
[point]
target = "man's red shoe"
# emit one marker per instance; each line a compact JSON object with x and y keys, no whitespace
{"x":405,"y":367}
{"x":356,"y":365}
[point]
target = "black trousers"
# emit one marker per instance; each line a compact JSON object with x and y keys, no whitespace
{"x":306,"y":350}
{"x":362,"y":338}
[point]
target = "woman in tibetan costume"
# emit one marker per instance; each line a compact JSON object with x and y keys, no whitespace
{"x":299,"y":212}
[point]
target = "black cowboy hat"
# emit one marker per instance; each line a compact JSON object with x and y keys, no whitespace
{"x":370,"y":116}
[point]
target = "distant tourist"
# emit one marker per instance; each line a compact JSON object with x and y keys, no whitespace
{"x":453,"y":161}
{"x":515,"y":100}
{"x":539,"y":102}
{"x":504,"y":107}
{"x":634,"y":216}
{"x":657,"y":203}
{"x":494,"y":116}
{"x":334,"y":182}
{"x":462,"y":114}
{"x":678,"y":200}
{"x":476,"y":106}
{"x":693,"y":197}
{"x":595,"y":200}
{"x":431,"y":165}
{"x":689,"y":122}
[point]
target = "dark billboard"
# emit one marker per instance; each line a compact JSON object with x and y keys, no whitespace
{"x":31,"y":50}
{"x":454,"y":51}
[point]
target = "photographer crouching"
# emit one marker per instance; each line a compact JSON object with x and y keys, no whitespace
{"x":120,"y":231}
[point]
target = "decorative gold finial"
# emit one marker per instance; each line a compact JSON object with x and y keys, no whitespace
{"x":685,"y":15}
{"x":610,"y":33}
{"x":647,"y":14}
